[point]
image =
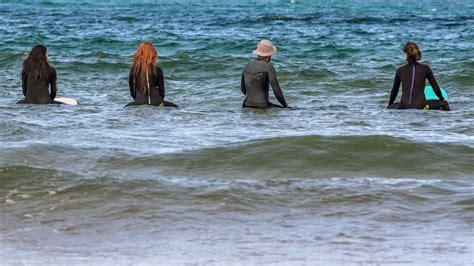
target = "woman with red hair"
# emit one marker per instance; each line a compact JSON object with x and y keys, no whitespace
{"x":146,"y":81}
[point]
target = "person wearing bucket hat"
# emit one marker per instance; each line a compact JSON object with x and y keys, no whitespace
{"x":256,"y":77}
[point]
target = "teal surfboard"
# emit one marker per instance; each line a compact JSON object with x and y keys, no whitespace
{"x":430,"y":94}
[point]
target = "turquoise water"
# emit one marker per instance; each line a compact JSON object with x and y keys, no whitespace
{"x":337,"y":180}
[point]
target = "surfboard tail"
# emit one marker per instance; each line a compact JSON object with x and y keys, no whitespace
{"x":68,"y":101}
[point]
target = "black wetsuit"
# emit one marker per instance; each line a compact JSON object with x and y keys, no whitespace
{"x":37,"y":90}
{"x":155,"y":92}
{"x":413,"y":78}
{"x":256,"y":77}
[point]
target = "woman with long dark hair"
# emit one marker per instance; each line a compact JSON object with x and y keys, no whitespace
{"x":146,"y":80}
{"x":37,"y":76}
{"x":413,"y":77}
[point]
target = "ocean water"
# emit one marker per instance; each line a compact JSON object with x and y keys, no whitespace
{"x":336,"y":180}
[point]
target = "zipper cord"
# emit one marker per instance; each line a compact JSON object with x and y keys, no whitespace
{"x":148,"y":88}
{"x":412,"y":83}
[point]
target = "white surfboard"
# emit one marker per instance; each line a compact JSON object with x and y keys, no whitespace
{"x":68,"y":101}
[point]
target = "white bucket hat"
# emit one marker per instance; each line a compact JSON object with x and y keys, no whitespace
{"x":265,"y":48}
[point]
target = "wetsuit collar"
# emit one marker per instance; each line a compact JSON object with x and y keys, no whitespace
{"x":262,"y":59}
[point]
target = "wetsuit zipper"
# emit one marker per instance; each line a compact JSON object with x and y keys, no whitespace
{"x":148,"y":87}
{"x":412,"y":83}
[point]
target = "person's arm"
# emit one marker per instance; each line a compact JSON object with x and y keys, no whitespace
{"x":276,"y":87}
{"x":395,"y":88}
{"x":52,"y":80}
{"x":131,"y":84}
{"x":434,"y":84}
{"x":242,"y":85}
{"x":24,"y":77}
{"x":161,"y":82}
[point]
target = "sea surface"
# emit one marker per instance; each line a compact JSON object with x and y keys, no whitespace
{"x":338,"y":179}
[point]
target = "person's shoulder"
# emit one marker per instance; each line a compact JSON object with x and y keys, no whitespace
{"x":52,"y":69}
{"x":403,"y":68}
{"x":270,"y":65}
{"x":159,"y":71}
{"x":250,"y":64}
{"x":52,"y":72}
{"x":266,"y":65}
{"x":426,"y":67}
{"x":259,"y":65}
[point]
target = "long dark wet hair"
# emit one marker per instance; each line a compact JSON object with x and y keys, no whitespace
{"x":412,"y":51}
{"x":36,"y":63}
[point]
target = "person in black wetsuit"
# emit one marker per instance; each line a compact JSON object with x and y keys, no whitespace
{"x":146,"y":80}
{"x":413,"y":78}
{"x":256,"y":77}
{"x":37,"y":76}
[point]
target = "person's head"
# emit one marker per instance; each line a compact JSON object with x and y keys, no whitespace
{"x":144,"y":61}
{"x":412,"y":52}
{"x":265,"y":50}
{"x":37,"y":62}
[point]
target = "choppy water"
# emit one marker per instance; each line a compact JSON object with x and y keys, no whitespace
{"x":338,"y":180}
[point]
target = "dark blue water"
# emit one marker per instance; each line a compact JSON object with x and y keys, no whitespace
{"x":337,"y":180}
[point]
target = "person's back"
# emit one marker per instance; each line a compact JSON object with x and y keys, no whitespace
{"x":38,"y":89}
{"x":153,"y":93}
{"x":36,"y":77}
{"x":413,"y":77}
{"x":256,"y":78}
{"x":257,"y":75}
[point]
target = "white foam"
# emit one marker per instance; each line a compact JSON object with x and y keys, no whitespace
{"x":10,"y":201}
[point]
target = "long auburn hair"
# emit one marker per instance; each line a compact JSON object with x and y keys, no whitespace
{"x":36,"y":63}
{"x":412,"y":51}
{"x":143,"y":61}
